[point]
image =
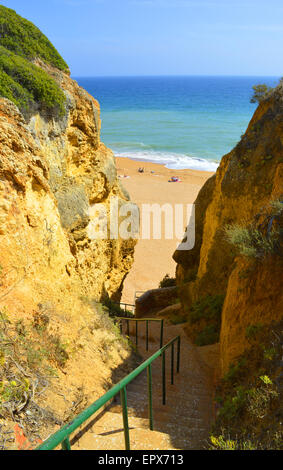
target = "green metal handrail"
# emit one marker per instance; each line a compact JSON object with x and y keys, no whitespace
{"x":147,"y":320}
{"x":63,"y":435}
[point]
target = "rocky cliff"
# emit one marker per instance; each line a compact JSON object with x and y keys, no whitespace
{"x":53,"y":170}
{"x":53,"y":273}
{"x":248,"y":179}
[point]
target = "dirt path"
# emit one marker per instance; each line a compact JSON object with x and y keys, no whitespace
{"x":183,"y":423}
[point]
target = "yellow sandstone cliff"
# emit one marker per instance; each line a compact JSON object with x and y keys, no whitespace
{"x":247,"y":180}
{"x":52,"y":171}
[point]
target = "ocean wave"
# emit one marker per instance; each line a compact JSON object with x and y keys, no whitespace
{"x":172,"y":161}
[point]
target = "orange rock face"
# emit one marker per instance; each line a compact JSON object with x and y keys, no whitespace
{"x":254,"y":297}
{"x":52,"y":171}
{"x":248,"y":178}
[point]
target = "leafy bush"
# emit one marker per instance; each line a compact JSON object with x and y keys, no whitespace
{"x":261,"y":397}
{"x":251,"y":242}
{"x":114,"y":308}
{"x":22,"y":82}
{"x":235,"y":371}
{"x":206,"y":313}
{"x":176,"y":319}
{"x":26,"y":354}
{"x":249,"y":396}
{"x":24,"y":39}
{"x":221,"y":443}
{"x":233,"y":405}
{"x":209,"y":335}
{"x":261,"y":92}
{"x":276,"y":208}
{"x":26,"y":84}
{"x":167,"y":281}
{"x":209,"y":308}
{"x":257,"y":241}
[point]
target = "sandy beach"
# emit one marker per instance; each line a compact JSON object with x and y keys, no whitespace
{"x":153,"y":258}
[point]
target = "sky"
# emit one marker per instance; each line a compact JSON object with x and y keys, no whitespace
{"x":162,"y":37}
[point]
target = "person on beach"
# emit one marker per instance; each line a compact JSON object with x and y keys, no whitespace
{"x":174,"y":179}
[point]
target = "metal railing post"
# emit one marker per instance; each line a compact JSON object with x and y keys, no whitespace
{"x":147,"y":335}
{"x":62,"y":436}
{"x":136,"y":333}
{"x":172,"y":364}
{"x":161,"y":333}
{"x":163,"y":379}
{"x":66,"y":445}
{"x":149,"y":383}
{"x":123,"y":395}
{"x":121,"y":326}
{"x":128,"y":328}
{"x":178,"y":354}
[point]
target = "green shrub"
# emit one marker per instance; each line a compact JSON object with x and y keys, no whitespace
{"x":114,"y":308}
{"x":13,"y":390}
{"x":269,"y":353}
{"x":22,"y":82}
{"x":26,"y":84}
{"x":253,"y":330}
{"x":249,"y":396}
{"x":167,"y":281}
{"x":176,"y":319}
{"x":261,"y":397}
{"x":261,"y":92}
{"x":209,"y":335}
{"x":24,"y":39}
{"x":233,"y":405}
{"x":276,"y":208}
{"x":252,"y":242}
{"x":220,"y":443}
{"x":235,"y":371}
{"x":209,"y":308}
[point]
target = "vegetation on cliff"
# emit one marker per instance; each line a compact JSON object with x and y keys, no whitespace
{"x":22,"y":82}
{"x":33,"y":359}
{"x":27,"y":85}
{"x":259,"y":239}
{"x":24,"y":39}
{"x":167,"y":281}
{"x":238,"y":256}
{"x":30,"y":357}
{"x":260,"y":92}
{"x":248,"y":397}
{"x":205,"y":315}
{"x":238,"y":212}
{"x":51,"y":172}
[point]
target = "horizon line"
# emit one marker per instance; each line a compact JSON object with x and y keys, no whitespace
{"x":174,"y":76}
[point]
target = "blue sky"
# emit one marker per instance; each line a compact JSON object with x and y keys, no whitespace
{"x":162,"y":37}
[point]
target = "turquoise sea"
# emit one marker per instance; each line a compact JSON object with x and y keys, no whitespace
{"x":182,"y":122}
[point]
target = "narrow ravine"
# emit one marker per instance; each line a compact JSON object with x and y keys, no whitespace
{"x":183,"y":423}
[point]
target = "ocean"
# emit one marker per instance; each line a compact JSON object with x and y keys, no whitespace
{"x":182,"y":122}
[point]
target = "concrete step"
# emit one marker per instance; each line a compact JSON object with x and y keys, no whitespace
{"x":183,"y":423}
{"x":108,"y":433}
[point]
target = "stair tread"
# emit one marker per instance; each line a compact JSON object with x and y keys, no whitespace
{"x":183,"y":423}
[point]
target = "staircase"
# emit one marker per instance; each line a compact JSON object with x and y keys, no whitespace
{"x":183,"y":423}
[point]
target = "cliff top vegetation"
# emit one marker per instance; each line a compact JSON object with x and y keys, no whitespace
{"x":23,"y":38}
{"x":20,"y":80}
